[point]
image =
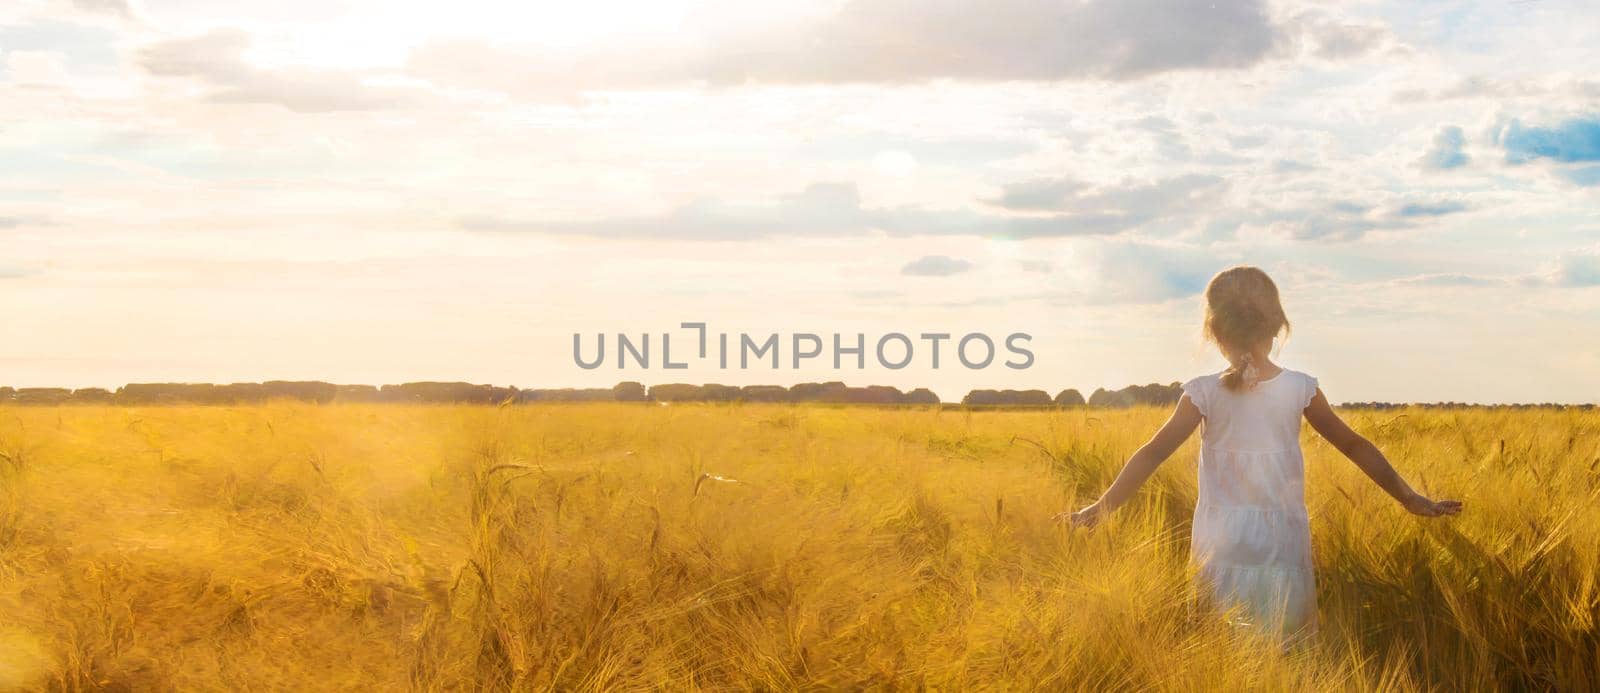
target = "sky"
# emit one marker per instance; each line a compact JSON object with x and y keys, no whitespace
{"x":378,"y":192}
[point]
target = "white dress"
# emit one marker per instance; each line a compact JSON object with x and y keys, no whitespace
{"x":1251,"y":537}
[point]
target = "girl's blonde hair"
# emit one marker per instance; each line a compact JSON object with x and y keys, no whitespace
{"x":1242,"y":312}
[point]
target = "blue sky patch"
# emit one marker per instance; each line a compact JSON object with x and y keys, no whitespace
{"x":1575,"y":140}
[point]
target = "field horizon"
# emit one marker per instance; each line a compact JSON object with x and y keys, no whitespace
{"x":462,"y":392}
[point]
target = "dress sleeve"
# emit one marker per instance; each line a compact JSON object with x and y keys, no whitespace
{"x":1197,"y":391}
{"x":1310,"y":391}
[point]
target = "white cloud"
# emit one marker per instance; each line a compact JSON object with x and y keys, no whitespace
{"x":217,"y":59}
{"x":906,"y":41}
{"x":935,"y":266}
{"x":837,"y":209}
{"x":1448,"y":150}
{"x":117,"y":8}
{"x":1576,"y":268}
{"x":36,"y":68}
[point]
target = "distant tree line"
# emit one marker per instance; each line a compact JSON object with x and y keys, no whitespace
{"x":468,"y":393}
{"x":459,"y":392}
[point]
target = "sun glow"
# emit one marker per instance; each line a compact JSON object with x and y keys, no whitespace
{"x":377,"y":34}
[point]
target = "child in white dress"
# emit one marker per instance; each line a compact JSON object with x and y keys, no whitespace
{"x":1251,"y":537}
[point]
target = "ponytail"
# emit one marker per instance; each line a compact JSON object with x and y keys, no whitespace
{"x":1241,"y":374}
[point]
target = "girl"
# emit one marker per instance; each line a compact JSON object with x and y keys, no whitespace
{"x":1251,"y":536}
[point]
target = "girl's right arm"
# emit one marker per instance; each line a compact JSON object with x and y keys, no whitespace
{"x":1185,"y":418}
{"x":1371,"y":460}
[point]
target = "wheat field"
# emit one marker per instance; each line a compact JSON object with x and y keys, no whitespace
{"x":754,"y":547}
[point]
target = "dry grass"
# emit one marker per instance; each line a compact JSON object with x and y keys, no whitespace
{"x":584,"y":547}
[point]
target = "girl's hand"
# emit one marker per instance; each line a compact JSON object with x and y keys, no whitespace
{"x":1419,"y":504}
{"x":1087,"y":517}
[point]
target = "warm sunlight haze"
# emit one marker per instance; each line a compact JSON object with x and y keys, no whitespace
{"x":846,"y":345}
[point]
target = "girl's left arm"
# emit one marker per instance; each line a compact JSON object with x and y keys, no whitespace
{"x":1185,"y":418}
